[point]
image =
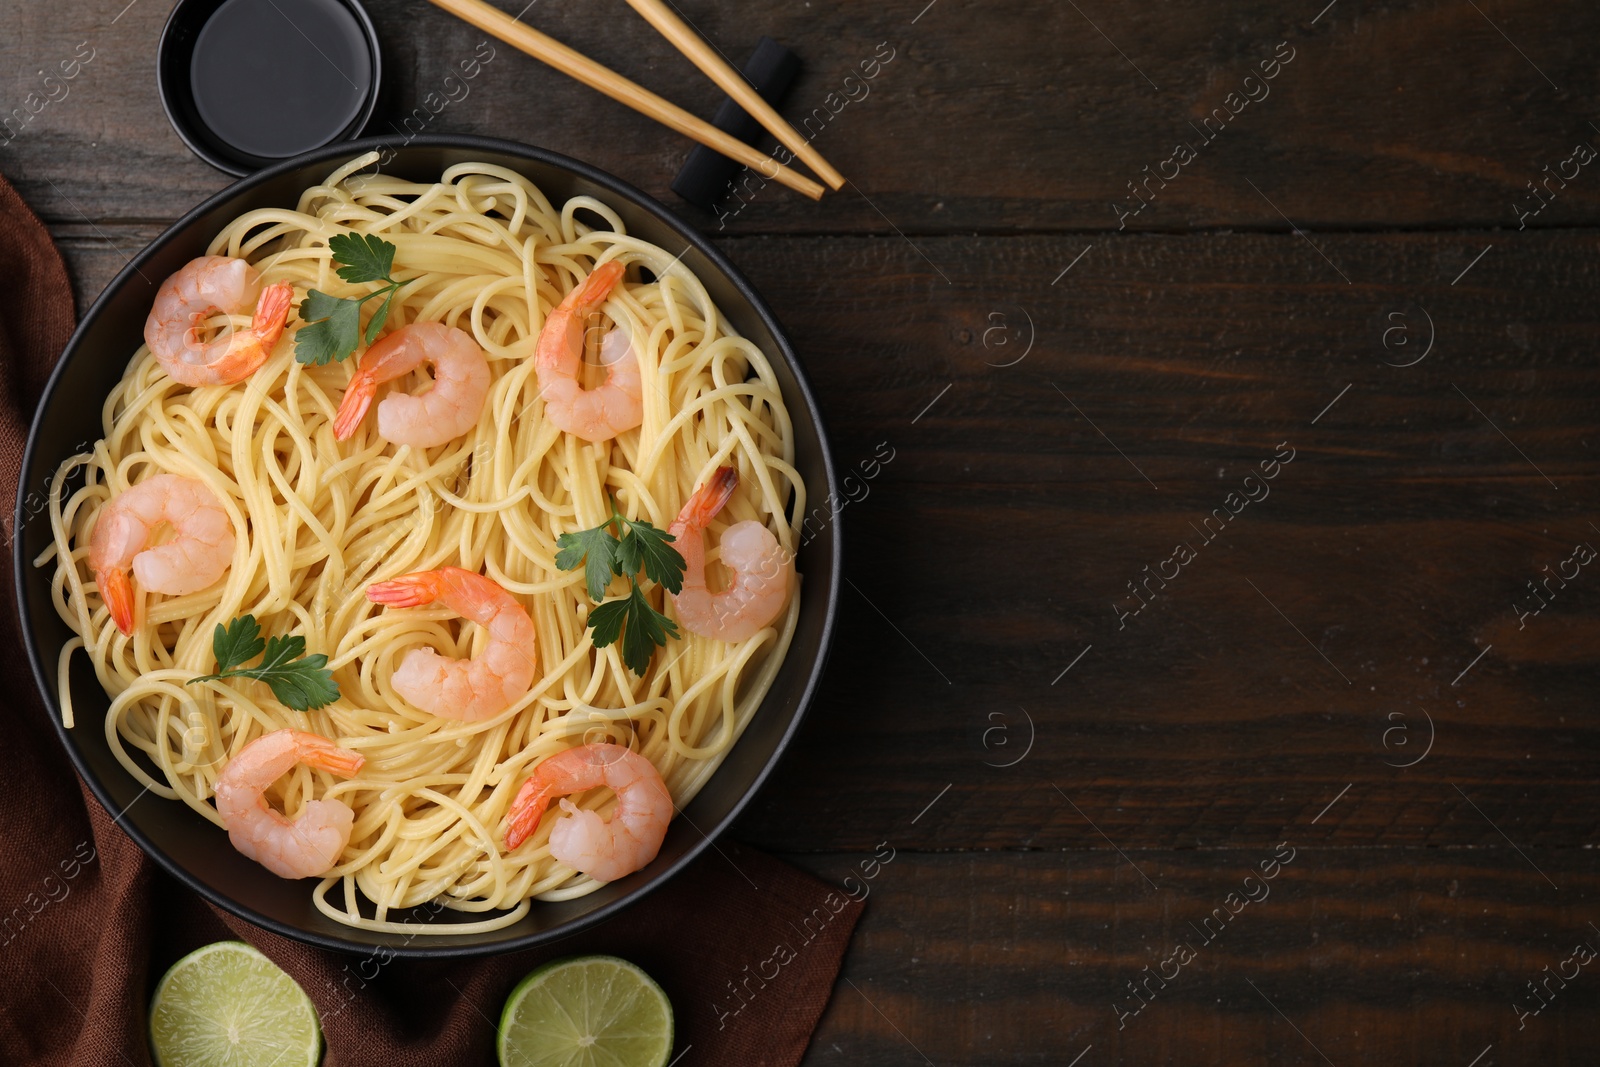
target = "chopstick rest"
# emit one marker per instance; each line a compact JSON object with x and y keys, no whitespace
{"x":706,"y":174}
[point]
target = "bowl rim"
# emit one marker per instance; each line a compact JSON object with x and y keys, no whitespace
{"x":420,"y":947}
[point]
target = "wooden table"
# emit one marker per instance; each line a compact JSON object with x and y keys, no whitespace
{"x":1095,"y":667}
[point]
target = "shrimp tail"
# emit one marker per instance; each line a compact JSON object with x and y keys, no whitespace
{"x":561,"y":338}
{"x":340,"y":761}
{"x":272,"y":312}
{"x":597,"y":286}
{"x":324,"y":755}
{"x":117,"y":592}
{"x":353,"y":408}
{"x":526,"y":810}
{"x":247,"y":351}
{"x":409,"y":591}
{"x":710,"y":498}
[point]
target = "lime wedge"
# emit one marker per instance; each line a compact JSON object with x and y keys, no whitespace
{"x":227,"y":1005}
{"x":588,"y":1011}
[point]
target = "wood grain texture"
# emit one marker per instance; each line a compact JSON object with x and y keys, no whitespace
{"x":1339,"y":271}
{"x":1302,"y":650}
{"x":1031,"y":117}
{"x":1375,"y":956}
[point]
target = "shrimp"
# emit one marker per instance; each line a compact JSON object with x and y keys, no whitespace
{"x":307,"y":845}
{"x":457,"y":689}
{"x":198,"y":554}
{"x":762,"y":570}
{"x":605,"y":851}
{"x":444,"y":412}
{"x":204,"y":285}
{"x":613,"y":407}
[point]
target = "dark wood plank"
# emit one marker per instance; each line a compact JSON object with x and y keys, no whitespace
{"x":1418,"y":115}
{"x":95,"y":254}
{"x":1375,"y":956}
{"x":997,"y":540}
{"x":1067,"y":797}
{"x":1395,"y":544}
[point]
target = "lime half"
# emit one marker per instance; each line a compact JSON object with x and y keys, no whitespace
{"x":227,"y":1005}
{"x":588,"y":1011}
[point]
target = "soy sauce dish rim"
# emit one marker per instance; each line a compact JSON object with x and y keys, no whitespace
{"x":793,"y":691}
{"x":174,"y":87}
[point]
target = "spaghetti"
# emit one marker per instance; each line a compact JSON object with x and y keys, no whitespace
{"x":318,"y":521}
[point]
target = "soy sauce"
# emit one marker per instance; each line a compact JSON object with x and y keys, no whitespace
{"x":274,"y":78}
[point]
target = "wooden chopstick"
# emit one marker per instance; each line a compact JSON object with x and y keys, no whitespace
{"x":702,"y":55}
{"x":546,"y":49}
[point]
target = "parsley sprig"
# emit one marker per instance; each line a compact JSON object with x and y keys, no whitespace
{"x":334,"y":328}
{"x":297,"y":683}
{"x":621,"y":547}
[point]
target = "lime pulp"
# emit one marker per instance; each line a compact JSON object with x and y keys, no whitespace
{"x":227,"y":1005}
{"x":588,"y":1011}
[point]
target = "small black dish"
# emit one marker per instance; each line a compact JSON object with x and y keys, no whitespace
{"x":250,"y":83}
{"x":196,"y":852}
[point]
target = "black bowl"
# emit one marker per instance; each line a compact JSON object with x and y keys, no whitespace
{"x":195,"y":851}
{"x":297,"y":111}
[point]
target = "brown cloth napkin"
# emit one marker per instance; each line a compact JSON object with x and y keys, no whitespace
{"x":747,"y":947}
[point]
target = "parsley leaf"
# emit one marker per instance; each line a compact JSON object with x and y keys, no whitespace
{"x":606,"y":620}
{"x":646,"y":546}
{"x":298,"y":683}
{"x":645,"y":623}
{"x":318,"y":306}
{"x":379,"y":317}
{"x":603,"y":554}
{"x":366,"y":257}
{"x":597,"y":550}
{"x":334,"y":325}
{"x":333,"y":329}
{"x":240,"y":640}
{"x":640,"y":626}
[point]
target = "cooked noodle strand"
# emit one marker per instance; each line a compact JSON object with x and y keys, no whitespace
{"x":318,"y":520}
